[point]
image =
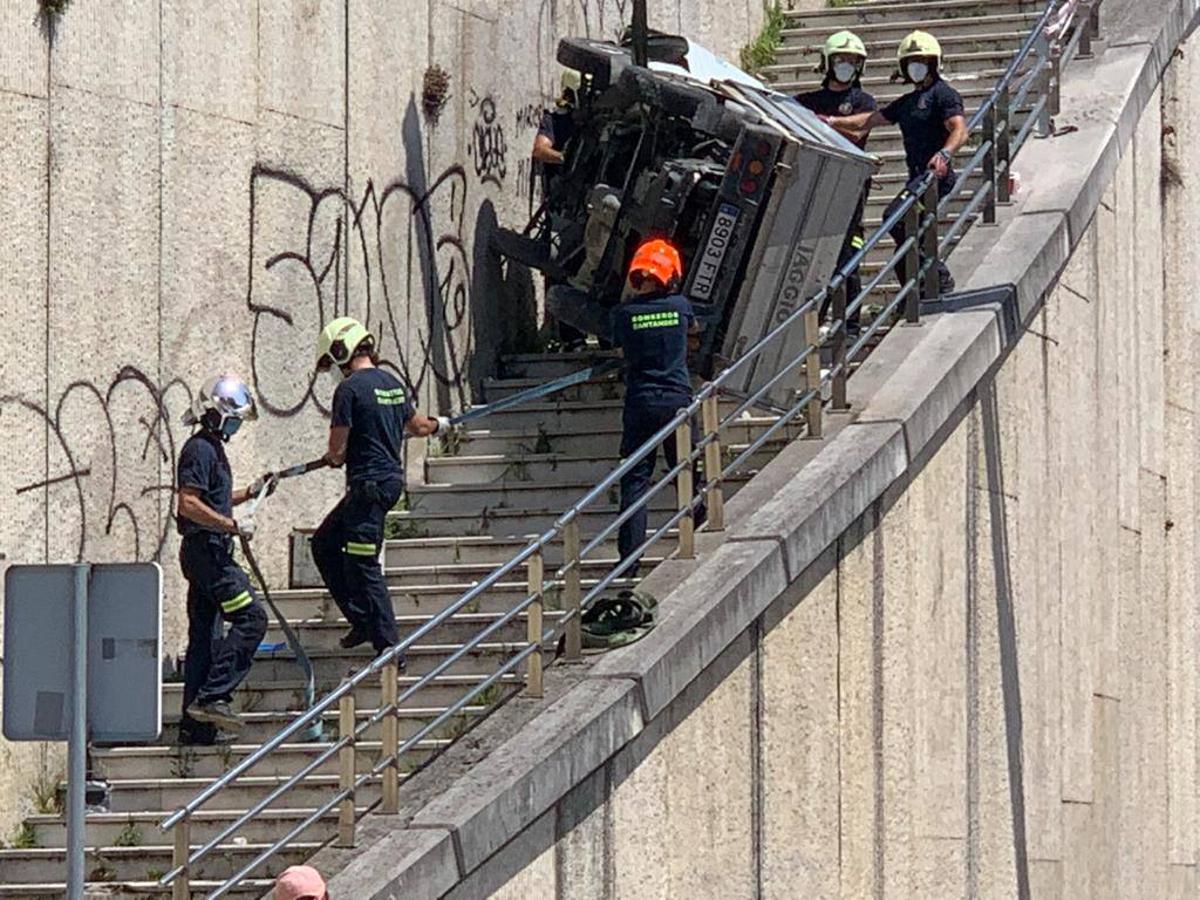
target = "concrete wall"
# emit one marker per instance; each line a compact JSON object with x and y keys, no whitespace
{"x":987,"y":687}
{"x":189,"y":186}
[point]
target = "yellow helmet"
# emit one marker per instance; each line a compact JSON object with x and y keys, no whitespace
{"x":846,"y":42}
{"x":338,"y":341}
{"x":918,"y":43}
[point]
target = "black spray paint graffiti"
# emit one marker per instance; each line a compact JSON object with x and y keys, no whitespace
{"x":111,"y":457}
{"x":488,"y":147}
{"x":528,"y":117}
{"x":316,"y":254}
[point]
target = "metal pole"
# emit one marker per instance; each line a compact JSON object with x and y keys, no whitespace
{"x":391,"y":738}
{"x":931,"y":289}
{"x":683,"y":491}
{"x":989,"y":166}
{"x":1004,"y":132}
{"x":77,"y":747}
{"x":347,"y":770}
{"x":572,"y":588}
{"x":180,"y":887}
{"x":711,"y":419}
{"x":641,"y":34}
{"x":533,"y":624}
{"x":839,"y":348}
{"x":912,"y":265}
{"x":812,"y":372}
{"x":1045,"y":85}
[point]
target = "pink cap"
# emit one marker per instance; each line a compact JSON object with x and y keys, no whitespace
{"x":299,"y":883}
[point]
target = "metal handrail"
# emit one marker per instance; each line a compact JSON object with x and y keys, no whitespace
{"x":991,"y":156}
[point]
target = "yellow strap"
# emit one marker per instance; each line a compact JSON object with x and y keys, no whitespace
{"x":856,"y":242}
{"x":240,"y":601}
{"x":356,"y":549}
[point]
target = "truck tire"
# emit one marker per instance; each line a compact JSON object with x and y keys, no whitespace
{"x":593,"y":58}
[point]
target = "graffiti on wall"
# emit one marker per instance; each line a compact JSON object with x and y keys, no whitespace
{"x":111,"y":457}
{"x":487,"y":146}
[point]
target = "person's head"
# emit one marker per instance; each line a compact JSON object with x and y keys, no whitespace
{"x":300,"y":883}
{"x":572,"y":81}
{"x":345,"y":345}
{"x":843,"y":58}
{"x":656,"y":268}
{"x":221,"y":405}
{"x":919,"y":57}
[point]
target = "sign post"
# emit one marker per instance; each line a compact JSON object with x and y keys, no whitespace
{"x":77,"y":745}
{"x":106,"y":619}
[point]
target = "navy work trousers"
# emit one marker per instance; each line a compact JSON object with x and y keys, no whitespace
{"x":640,"y":421}
{"x":899,"y":232}
{"x":346,"y":550}
{"x":218,"y":592}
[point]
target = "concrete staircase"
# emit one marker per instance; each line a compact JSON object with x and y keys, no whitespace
{"x":978,"y":38}
{"x":507,"y":478}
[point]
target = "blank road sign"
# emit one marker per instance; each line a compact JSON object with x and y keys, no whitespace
{"x":124,"y":648}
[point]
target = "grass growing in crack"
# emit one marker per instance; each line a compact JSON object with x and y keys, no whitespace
{"x":24,"y":837}
{"x":761,"y":51}
{"x":129,"y":836}
{"x":44,"y":793}
{"x":183,"y":763}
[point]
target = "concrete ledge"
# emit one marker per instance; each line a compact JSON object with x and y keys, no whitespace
{"x":415,"y":864}
{"x":814,"y":506}
{"x":702,"y":617}
{"x":534,"y":769}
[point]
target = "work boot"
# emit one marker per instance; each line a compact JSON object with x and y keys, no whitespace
{"x":218,"y":712}
{"x":353,"y":638}
{"x":945,"y":281}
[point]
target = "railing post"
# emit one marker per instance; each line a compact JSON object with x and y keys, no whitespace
{"x":572,"y":589}
{"x":1001,"y":152}
{"x":912,"y":263}
{"x":989,"y":166}
{"x":840,"y":339}
{"x":710,"y":419}
{"x":1088,"y":29}
{"x":683,"y":490}
{"x":932,"y":287}
{"x":391,"y":739}
{"x":533,"y":624}
{"x":812,"y":371}
{"x":346,"y":775}
{"x":180,"y":887}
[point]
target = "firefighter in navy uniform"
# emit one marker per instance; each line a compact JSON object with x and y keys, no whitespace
{"x":651,"y":326}
{"x":549,"y":154}
{"x":371,"y":414}
{"x":218,"y":589}
{"x":841,"y":94}
{"x":932,"y":123}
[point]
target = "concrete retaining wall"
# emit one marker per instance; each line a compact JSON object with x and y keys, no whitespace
{"x":951,"y":651}
{"x":189,"y":186}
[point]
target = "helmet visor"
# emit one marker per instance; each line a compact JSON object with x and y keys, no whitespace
{"x":234,"y":398}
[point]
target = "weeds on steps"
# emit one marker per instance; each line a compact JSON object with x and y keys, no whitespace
{"x":760,"y":52}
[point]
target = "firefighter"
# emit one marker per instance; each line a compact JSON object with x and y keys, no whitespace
{"x":218,"y":589}
{"x":932,"y":123}
{"x":651,"y":326}
{"x":371,"y":413}
{"x":549,"y":148}
{"x":841,"y":94}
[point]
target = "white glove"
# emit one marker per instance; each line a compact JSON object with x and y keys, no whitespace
{"x":245,"y":528}
{"x":269,"y":481}
{"x":445,"y":426}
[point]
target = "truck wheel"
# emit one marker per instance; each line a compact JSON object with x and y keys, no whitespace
{"x":674,"y":97}
{"x":590,"y":57}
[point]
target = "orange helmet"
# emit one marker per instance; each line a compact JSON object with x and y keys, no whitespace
{"x":658,"y":258}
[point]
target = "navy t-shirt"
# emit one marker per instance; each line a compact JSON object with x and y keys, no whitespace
{"x":652,"y":332}
{"x":204,"y":466}
{"x":826,"y":102}
{"x":559,"y":126}
{"x":921,"y":115}
{"x":374,"y":405}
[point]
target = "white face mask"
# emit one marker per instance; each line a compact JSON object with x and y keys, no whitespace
{"x":844,"y":72}
{"x":917,"y":72}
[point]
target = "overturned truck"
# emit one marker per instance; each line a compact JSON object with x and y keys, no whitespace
{"x":755,"y":191}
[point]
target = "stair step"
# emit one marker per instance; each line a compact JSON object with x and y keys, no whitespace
{"x":107,"y":829}
{"x":123,"y":763}
{"x":542,"y":367}
{"x":324,"y":635}
{"x":55,"y":890}
{"x":130,"y":795}
{"x":111,"y":865}
{"x":916,"y":13}
{"x":421,"y":658}
{"x":609,"y":388}
{"x":893,"y":30}
{"x":991,"y":43}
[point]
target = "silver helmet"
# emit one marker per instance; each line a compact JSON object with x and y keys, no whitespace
{"x":222,"y":404}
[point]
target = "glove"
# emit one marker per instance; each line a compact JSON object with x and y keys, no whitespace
{"x":245,"y":528}
{"x":445,"y":426}
{"x":268,"y":480}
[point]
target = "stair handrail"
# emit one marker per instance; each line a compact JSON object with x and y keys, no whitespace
{"x":919,"y":212}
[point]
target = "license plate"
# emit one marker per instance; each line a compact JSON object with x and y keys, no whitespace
{"x":708,"y":264}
